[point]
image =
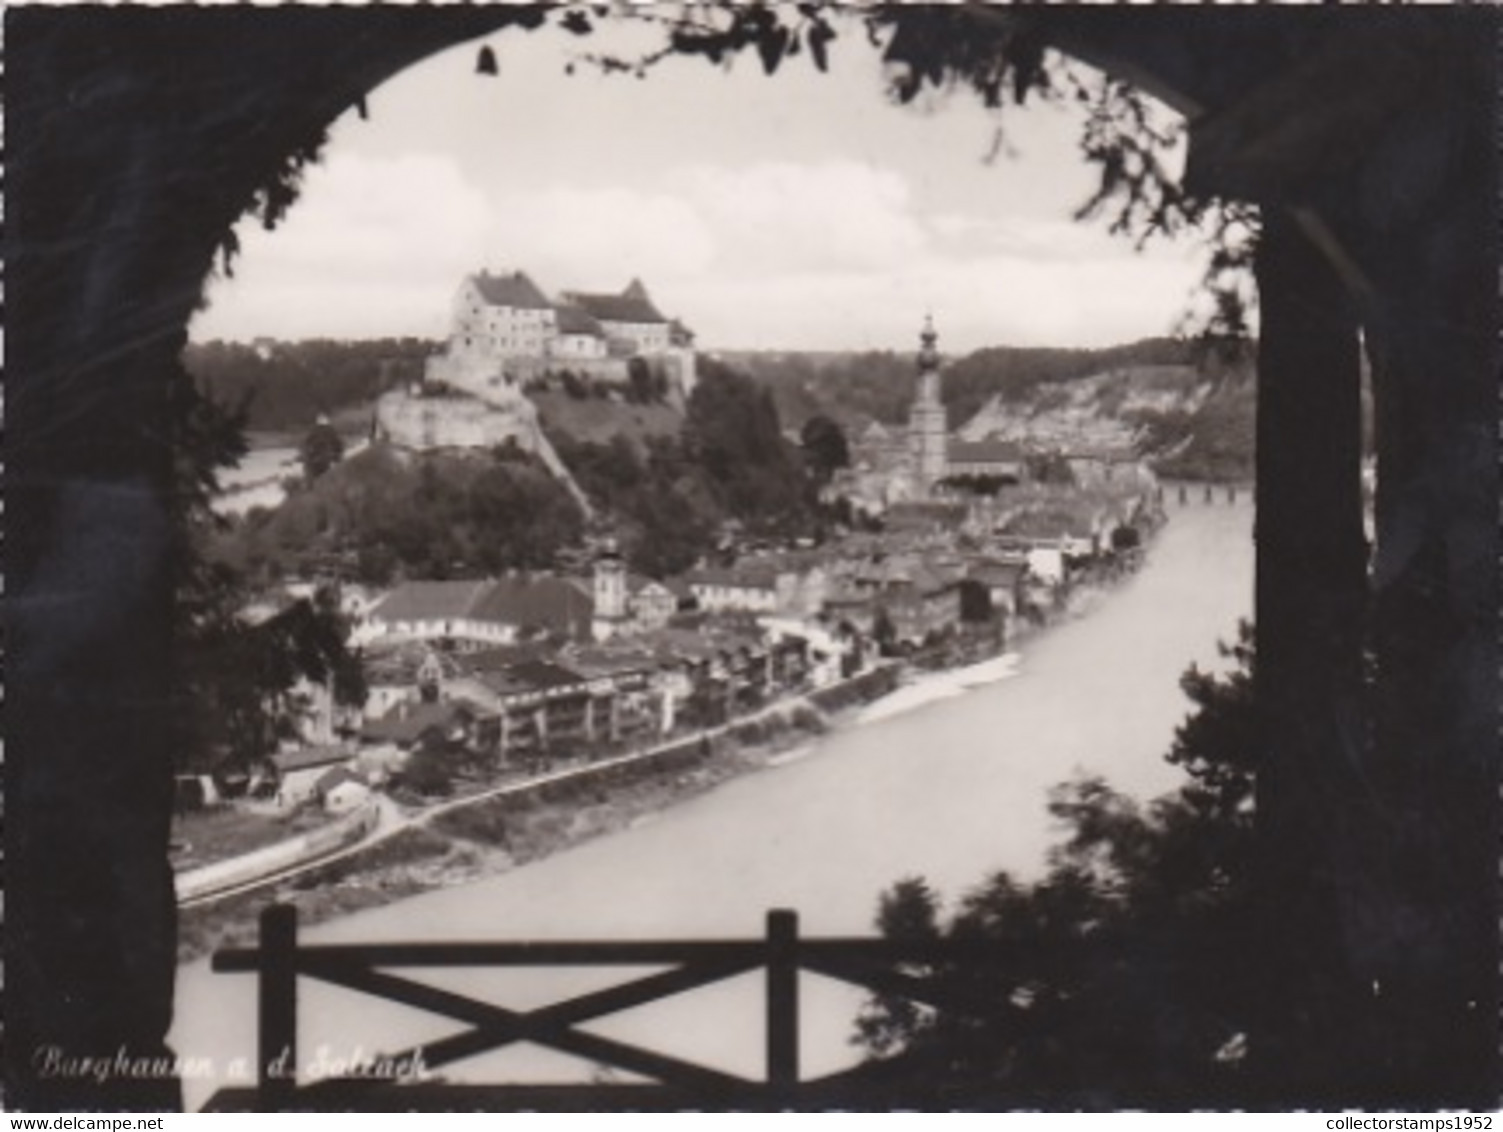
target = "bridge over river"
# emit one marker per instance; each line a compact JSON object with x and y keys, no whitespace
{"x":951,"y":788}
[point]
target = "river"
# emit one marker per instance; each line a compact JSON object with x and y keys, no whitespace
{"x":952,"y":789}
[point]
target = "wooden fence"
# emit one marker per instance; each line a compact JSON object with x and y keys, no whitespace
{"x":890,"y":968}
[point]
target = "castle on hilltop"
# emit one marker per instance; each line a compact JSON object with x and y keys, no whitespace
{"x":506,"y":338}
{"x":506,"y":335}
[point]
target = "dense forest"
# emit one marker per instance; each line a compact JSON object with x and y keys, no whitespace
{"x":856,"y":387}
{"x":285,"y":386}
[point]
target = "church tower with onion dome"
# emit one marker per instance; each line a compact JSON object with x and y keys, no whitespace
{"x":928,"y":435}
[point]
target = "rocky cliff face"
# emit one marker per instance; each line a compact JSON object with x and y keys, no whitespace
{"x":1115,"y":410}
{"x":425,"y":423}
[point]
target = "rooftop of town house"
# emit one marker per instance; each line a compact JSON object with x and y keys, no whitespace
{"x":679,"y":586}
{"x":501,"y":683}
{"x":640,"y":583}
{"x":787,"y":561}
{"x":336,"y":776}
{"x":498,"y":658}
{"x":430,"y":601}
{"x":997,"y":572}
{"x":1050,"y":523}
{"x":989,"y":451}
{"x":926,"y":583}
{"x":538,"y":601}
{"x":744,"y":577}
{"x":400,"y":662}
{"x":594,"y":661}
{"x":406,"y":722}
{"x":546,"y":675}
{"x":306,"y":758}
{"x":1106,"y":455}
{"x":711,"y":637}
{"x":913,"y":514}
{"x":847,"y":597}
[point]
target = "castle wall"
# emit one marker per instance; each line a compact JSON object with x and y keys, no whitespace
{"x":424,"y":423}
{"x":453,"y":422}
{"x":485,"y":377}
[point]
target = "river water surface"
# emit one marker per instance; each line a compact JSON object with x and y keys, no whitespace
{"x":950,"y":789}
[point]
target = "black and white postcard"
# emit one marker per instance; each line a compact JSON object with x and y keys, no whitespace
{"x":646,"y":556}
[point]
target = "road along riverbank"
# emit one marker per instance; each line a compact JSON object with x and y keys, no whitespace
{"x":382,"y":854}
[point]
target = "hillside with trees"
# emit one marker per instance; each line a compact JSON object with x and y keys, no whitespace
{"x":382,"y":515}
{"x":878,"y":385}
{"x":286,"y":386}
{"x":669,"y":497}
{"x":1200,"y":426}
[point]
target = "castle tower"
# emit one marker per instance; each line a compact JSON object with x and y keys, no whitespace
{"x":609,"y":591}
{"x":927,"y":433}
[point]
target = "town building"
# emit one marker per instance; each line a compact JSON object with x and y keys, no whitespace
{"x":489,"y":612}
{"x":749,"y":589}
{"x":341,"y":790}
{"x":626,"y":602}
{"x":1001,"y":460}
{"x":299,"y":771}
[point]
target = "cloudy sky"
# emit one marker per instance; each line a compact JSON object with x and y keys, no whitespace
{"x":803,"y":211}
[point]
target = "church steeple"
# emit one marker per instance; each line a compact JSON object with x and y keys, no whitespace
{"x":928,"y":358}
{"x":928,"y":438}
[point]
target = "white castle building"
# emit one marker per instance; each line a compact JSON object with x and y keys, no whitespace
{"x":505,"y":335}
{"x":505,"y":332}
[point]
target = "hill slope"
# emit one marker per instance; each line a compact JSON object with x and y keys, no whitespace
{"x":1193,"y":418}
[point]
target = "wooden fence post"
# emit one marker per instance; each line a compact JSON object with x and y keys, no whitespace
{"x":782,"y":998}
{"x":277,"y":1020}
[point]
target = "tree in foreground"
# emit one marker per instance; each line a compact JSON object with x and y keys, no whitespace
{"x":321,"y":449}
{"x":1123,"y":977}
{"x":235,"y":679}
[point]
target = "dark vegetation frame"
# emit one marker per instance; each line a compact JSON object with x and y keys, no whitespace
{"x":1367,"y":139}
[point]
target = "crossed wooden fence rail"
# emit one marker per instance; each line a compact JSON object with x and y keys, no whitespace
{"x":887,"y":967}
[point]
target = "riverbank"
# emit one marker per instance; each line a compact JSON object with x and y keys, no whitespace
{"x":472,"y":839}
{"x":469,"y":840}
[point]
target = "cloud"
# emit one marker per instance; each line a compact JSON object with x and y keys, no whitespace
{"x":706,"y":221}
{"x":1027,"y":238}
{"x":820,"y":255}
{"x":836,"y":216}
{"x":997,"y":300}
{"x":370,"y":241}
{"x":571,"y":237}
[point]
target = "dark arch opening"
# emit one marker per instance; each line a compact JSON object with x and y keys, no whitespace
{"x":124,"y":177}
